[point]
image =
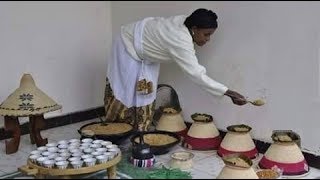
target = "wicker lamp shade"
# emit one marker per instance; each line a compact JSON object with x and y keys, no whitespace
{"x":27,"y":100}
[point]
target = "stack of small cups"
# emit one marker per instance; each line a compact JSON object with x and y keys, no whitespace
{"x":75,"y":153}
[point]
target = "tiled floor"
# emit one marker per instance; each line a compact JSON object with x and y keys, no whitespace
{"x":207,"y":165}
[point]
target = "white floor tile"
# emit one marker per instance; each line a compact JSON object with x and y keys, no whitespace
{"x":200,"y":175}
{"x":25,"y":144}
{"x":10,"y":163}
{"x":2,"y":173}
{"x":211,"y":165}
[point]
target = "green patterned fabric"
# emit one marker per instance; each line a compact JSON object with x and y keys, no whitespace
{"x":134,"y":172}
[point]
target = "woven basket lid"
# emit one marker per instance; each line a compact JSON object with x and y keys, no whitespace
{"x":237,"y":142}
{"x":203,"y":126}
{"x":232,"y":173}
{"x":284,"y":153}
{"x":27,"y":100}
{"x":237,"y":166}
{"x":172,"y":122}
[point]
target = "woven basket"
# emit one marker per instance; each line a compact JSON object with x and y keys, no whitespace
{"x":27,"y":100}
{"x":238,"y":142}
{"x":203,"y":128}
{"x":233,"y":170}
{"x":171,"y":121}
{"x":286,"y":156}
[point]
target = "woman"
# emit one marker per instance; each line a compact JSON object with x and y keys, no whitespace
{"x":133,"y":70}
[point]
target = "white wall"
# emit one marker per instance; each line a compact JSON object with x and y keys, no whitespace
{"x":63,"y":44}
{"x":261,"y":49}
{"x":265,"y":50}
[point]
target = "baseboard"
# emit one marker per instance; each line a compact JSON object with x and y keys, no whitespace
{"x":59,"y":121}
{"x":262,"y":147}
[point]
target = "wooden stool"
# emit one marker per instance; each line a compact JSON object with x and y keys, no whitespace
{"x":12,"y":125}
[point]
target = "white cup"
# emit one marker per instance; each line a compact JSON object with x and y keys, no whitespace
{"x":110,"y":155}
{"x":63,"y":146}
{"x":72,"y":147}
{"x":46,"y":153}
{"x":96,"y":153}
{"x":62,"y":164}
{"x":48,"y":163}
{"x":77,"y":154}
{"x":74,"y":159}
{"x":75,"y":144}
{"x":102,"y":159}
{"x":88,"y":150}
{"x":95,"y":146}
{"x":86,"y":156}
{"x":106,"y":143}
{"x":33,"y":158}
{"x":86,"y":144}
{"x":102,"y":150}
{"x":98,"y":141}
{"x":53,"y":155}
{"x":51,"y":144}
{"x":40,"y":160}
{"x":63,"y":151}
{"x":90,"y":161}
{"x":59,"y":158}
{"x":74,"y":141}
{"x":66,"y":155}
{"x":111,"y":146}
{"x":76,"y":164}
{"x":87,"y":140}
{"x":53,"y":149}
{"x":75,"y":150}
{"x":63,"y":142}
{"x":115,"y":150}
{"x":42,"y":148}
{"x":83,"y":147}
{"x":35,"y":152}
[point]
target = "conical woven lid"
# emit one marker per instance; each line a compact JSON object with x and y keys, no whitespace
{"x":237,"y":142}
{"x":284,"y":153}
{"x":238,"y":138}
{"x":237,"y":166}
{"x":171,"y":120}
{"x":27,"y":100}
{"x":203,"y":126}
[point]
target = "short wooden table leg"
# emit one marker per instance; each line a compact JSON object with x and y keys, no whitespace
{"x":32,"y":138}
{"x":37,"y":124}
{"x":11,"y":124}
{"x":112,"y":172}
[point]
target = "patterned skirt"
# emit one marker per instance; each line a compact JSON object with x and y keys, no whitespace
{"x":140,"y":117}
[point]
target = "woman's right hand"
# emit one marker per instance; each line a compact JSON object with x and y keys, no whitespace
{"x":236,"y":98}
